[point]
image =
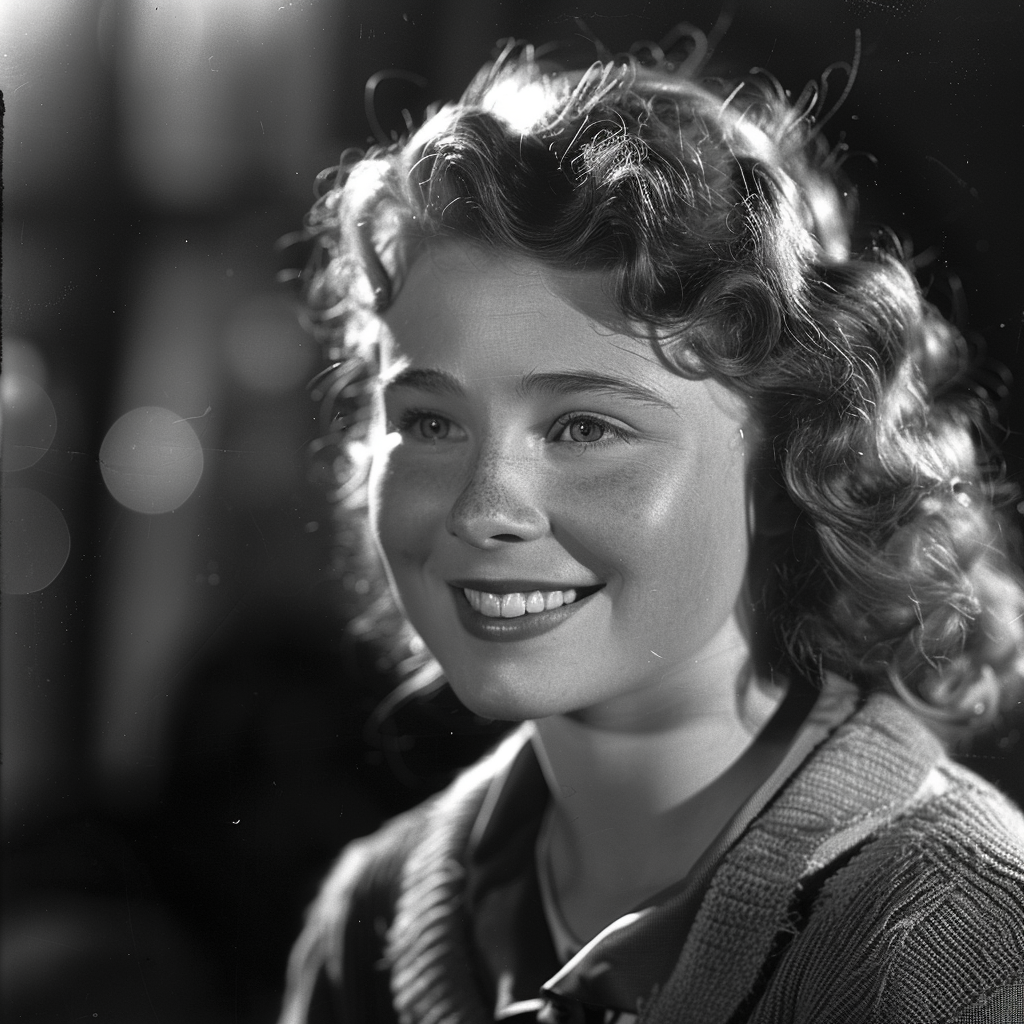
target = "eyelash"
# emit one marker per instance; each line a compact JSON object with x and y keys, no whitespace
{"x":611,"y":431}
{"x":411,"y":417}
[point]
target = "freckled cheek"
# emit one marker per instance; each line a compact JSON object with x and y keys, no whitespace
{"x":409,"y":503}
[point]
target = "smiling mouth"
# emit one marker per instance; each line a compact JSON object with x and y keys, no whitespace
{"x":514,"y":604}
{"x":505,"y":615}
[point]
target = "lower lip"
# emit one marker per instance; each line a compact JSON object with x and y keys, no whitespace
{"x":522,"y":627}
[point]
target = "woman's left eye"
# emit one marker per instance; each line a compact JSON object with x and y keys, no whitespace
{"x":585,"y":430}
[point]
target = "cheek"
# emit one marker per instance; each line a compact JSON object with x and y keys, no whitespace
{"x":680,"y":516}
{"x":408,"y":503}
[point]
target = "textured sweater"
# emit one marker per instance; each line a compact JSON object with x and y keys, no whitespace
{"x":883,"y":883}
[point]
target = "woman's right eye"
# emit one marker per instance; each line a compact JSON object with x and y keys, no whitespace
{"x":425,"y":426}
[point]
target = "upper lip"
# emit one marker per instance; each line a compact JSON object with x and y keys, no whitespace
{"x":516,"y":586}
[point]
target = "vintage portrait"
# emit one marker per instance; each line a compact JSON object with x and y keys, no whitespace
{"x":512,"y":512}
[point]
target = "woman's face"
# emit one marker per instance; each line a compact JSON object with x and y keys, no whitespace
{"x":565,"y":521}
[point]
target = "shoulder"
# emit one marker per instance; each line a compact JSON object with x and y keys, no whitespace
{"x":960,"y":843}
{"x":366,"y":877}
{"x":352,"y":911}
{"x":344,"y":945}
{"x":967,"y":824}
{"x":924,"y":921}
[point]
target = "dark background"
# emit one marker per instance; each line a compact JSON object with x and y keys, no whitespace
{"x":184,"y":741}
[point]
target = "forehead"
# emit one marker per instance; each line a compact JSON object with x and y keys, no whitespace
{"x":492,"y":320}
{"x":459,"y":299}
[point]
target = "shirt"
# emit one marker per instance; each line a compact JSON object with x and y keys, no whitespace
{"x":516,"y":960}
{"x":881,"y":883}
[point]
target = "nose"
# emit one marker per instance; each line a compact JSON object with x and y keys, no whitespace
{"x":498,"y":504}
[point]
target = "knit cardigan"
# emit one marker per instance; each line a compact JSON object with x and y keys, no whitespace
{"x":884,"y":883}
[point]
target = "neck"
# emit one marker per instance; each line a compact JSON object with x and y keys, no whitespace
{"x":635,"y":808}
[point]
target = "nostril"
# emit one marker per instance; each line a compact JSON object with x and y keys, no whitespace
{"x":495,"y":511}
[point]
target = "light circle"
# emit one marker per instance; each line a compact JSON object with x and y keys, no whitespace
{"x":151,"y":460}
{"x":29,"y":421}
{"x":23,"y":359}
{"x":36,"y":541}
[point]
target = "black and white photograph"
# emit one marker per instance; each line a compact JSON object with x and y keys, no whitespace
{"x":512,"y":511}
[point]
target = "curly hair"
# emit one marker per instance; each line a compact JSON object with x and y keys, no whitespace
{"x":719,"y":215}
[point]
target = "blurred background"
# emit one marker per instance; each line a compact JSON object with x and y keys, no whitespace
{"x":184,"y":723}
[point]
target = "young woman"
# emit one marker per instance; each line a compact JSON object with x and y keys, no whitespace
{"x":661,"y":469}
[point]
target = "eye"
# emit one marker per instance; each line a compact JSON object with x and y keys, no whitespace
{"x":432,"y":428}
{"x":425,"y":426}
{"x":586,"y":430}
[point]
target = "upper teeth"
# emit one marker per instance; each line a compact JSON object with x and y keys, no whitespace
{"x":510,"y":606}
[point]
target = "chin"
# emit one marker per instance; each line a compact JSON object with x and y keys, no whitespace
{"x":500,"y":706}
{"x":504,"y":701}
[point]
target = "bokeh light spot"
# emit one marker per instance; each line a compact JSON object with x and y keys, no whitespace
{"x":29,"y":421}
{"x":24,"y":359}
{"x":151,"y":460}
{"x":36,"y":541}
{"x":266,"y":348}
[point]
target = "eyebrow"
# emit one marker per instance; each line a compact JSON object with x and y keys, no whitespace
{"x":436,"y":382}
{"x":566,"y":382}
{"x":576,"y":382}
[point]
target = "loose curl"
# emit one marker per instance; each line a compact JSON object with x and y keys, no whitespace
{"x":717,"y":213}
